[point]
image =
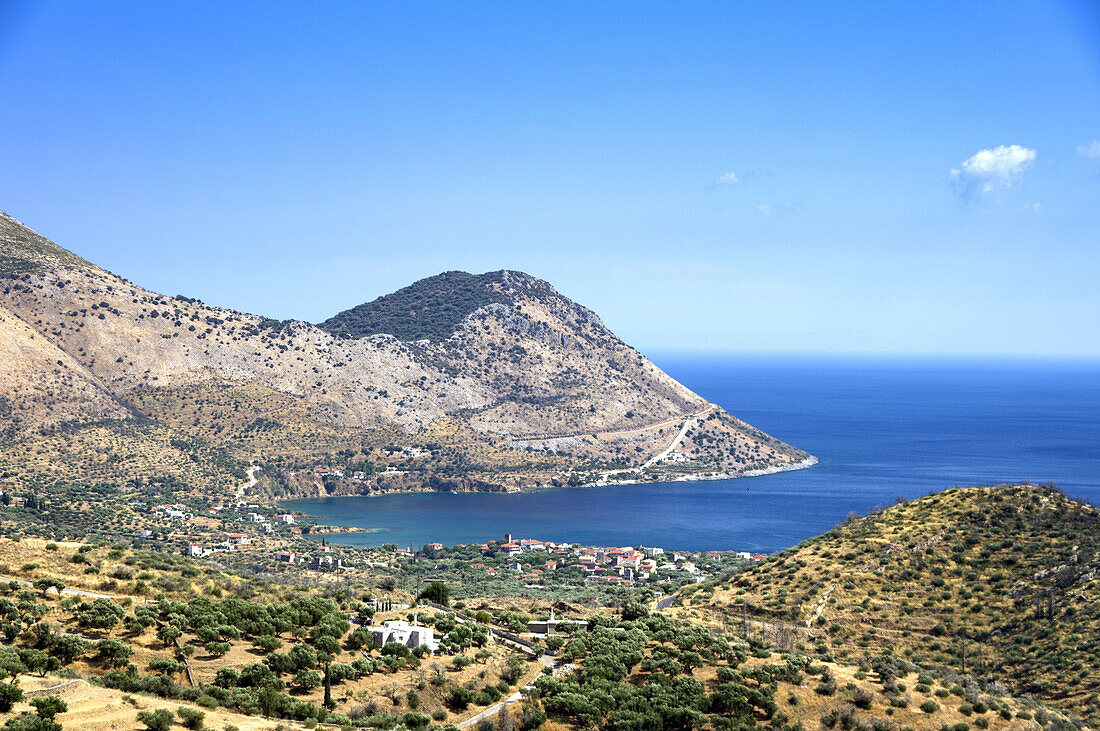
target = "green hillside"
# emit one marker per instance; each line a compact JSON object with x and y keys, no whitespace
{"x":429,"y":309}
{"x":996,"y":582}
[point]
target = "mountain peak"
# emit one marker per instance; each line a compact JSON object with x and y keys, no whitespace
{"x":433,"y":307}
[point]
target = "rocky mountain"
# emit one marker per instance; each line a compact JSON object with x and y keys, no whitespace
{"x":496,"y":360}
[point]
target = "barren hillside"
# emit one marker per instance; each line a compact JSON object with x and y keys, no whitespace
{"x":503,"y":353}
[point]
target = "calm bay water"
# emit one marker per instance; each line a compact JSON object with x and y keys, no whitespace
{"x":881,"y":429}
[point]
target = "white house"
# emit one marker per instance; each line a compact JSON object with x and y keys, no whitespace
{"x":550,"y":626}
{"x":410,"y":635}
{"x":287,"y":519}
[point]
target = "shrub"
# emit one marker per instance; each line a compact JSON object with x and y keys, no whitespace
{"x":461,"y":698}
{"x":10,"y":694}
{"x":49,"y":706}
{"x":190,"y":718}
{"x":413,"y":720}
{"x":271,"y":643}
{"x":929,"y":707}
{"x":158,"y":720}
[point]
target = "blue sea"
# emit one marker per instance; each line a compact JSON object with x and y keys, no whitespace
{"x":883,"y":429}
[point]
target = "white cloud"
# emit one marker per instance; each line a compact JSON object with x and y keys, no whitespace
{"x":1092,"y":149}
{"x":988,"y":170}
{"x":764,"y":209}
{"x":729,"y":178}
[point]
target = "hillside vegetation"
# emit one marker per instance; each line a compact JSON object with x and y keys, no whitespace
{"x":995,"y":582}
{"x":430,"y":309}
{"x":215,"y":648}
{"x":24,"y":251}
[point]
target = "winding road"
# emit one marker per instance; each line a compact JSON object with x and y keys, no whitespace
{"x":517,"y":696}
{"x":689,"y":422}
{"x":251,"y":481}
{"x":617,"y":433}
{"x":664,"y":602}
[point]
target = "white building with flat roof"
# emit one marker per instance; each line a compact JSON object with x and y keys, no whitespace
{"x":409,"y":635}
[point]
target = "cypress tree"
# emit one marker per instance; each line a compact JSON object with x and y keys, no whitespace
{"x":328,"y":690}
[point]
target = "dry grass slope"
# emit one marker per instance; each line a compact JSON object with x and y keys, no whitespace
{"x":999,"y":582}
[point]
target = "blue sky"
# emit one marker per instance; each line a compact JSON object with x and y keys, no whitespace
{"x":761,"y":176}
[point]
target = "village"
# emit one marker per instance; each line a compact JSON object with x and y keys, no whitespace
{"x":246,"y":536}
{"x":524,"y":558}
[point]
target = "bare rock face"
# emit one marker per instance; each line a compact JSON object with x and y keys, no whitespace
{"x":502,"y":352}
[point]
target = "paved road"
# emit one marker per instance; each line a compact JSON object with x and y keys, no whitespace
{"x":689,"y":422}
{"x":664,"y":602}
{"x":620,"y":432}
{"x":515,"y":697}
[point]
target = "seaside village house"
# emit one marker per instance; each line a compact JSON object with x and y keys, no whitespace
{"x":550,"y":626}
{"x":409,"y":635}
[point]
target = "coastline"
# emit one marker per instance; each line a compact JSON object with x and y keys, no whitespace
{"x":671,"y":544}
{"x":805,"y":464}
{"x":337,"y":528}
